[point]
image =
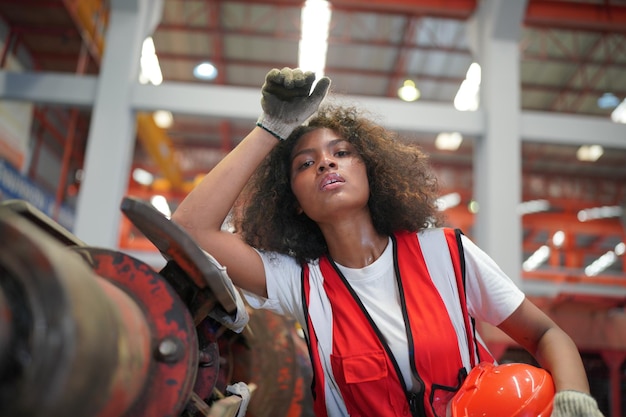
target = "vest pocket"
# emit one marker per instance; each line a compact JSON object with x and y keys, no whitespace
{"x":362,"y":368}
{"x":441,"y":395}
{"x":364,"y":383}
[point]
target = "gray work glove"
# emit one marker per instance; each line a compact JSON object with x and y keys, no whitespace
{"x":243,"y":390}
{"x":575,"y":404}
{"x":288,"y":101}
{"x":238,"y":320}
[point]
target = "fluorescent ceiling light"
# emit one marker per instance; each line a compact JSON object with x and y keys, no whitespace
{"x":536,"y":259}
{"x":205,"y":71}
{"x":448,"y":201}
{"x":589,"y":153}
{"x":608,"y":101}
{"x":314,"y":37}
{"x":150,"y":70}
{"x":603,"y":212}
{"x":619,"y":113}
{"x":473,"y":207}
{"x":606,"y":260}
{"x":163,"y":118}
{"x":468,"y":96}
{"x":409,"y":91}
{"x":532,"y":206}
{"x":558,"y":238}
{"x":448,"y":141}
{"x":160,"y":203}
{"x":600,"y":264}
{"x":142,"y":176}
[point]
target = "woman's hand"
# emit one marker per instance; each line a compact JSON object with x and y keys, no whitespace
{"x":288,"y":101}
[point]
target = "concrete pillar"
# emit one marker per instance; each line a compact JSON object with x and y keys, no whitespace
{"x":111,"y":139}
{"x":496,"y":30}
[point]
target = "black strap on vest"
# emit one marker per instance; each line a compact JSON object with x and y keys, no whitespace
{"x":458,"y":233}
{"x":304,"y":331}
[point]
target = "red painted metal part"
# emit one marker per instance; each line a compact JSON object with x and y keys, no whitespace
{"x":199,"y":274}
{"x":268,"y":355}
{"x":456,"y":9}
{"x":132,"y":369}
{"x":274,"y":360}
{"x":174,"y":341}
{"x":121,"y":340}
{"x":209,"y":359}
{"x":603,"y":16}
{"x":614,"y":361}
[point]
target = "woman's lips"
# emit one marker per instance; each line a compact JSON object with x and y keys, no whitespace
{"x":331,"y":181}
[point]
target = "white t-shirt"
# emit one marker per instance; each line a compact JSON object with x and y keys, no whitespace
{"x":491,"y":294}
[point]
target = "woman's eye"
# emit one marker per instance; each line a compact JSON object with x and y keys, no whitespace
{"x":342,"y":153}
{"x":305,"y":164}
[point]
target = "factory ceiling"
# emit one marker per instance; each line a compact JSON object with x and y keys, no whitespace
{"x":571,"y":54}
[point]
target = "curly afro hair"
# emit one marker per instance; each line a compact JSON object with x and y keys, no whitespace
{"x":403,"y":188}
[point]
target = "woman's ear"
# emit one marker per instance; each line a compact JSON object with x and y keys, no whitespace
{"x":299,"y":210}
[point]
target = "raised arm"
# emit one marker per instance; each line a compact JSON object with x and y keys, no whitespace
{"x":287,"y":101}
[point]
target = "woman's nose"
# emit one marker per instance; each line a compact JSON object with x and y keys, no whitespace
{"x":326,"y":163}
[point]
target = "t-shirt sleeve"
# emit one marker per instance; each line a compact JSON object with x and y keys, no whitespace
{"x":282,"y":277}
{"x":492,"y":296}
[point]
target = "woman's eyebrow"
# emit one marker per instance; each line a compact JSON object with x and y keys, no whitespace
{"x":312,"y":150}
{"x":300,"y":152}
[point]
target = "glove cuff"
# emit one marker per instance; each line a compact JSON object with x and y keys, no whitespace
{"x":279,"y":130}
{"x":575,"y":403}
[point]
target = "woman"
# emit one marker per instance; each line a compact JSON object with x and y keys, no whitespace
{"x":334,"y":227}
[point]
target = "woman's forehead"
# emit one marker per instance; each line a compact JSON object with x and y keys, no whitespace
{"x":316,"y":138}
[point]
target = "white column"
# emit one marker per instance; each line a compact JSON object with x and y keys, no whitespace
{"x":111,"y":139}
{"x":497,"y":159}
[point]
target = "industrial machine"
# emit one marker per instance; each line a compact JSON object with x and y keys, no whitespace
{"x":93,"y":332}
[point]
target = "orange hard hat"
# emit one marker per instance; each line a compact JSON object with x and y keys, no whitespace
{"x":506,"y":390}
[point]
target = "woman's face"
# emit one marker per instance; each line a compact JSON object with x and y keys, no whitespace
{"x":328,"y":177}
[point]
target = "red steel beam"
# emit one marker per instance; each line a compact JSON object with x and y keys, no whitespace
{"x":456,"y":9}
{"x":604,"y":17}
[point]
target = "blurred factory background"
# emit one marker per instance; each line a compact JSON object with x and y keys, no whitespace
{"x":520,"y":104}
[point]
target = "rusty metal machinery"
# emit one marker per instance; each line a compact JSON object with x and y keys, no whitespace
{"x":94,"y":332}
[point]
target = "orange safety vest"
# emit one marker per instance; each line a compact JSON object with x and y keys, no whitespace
{"x":365,"y":371}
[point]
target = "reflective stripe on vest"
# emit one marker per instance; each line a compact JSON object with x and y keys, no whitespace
{"x":364,"y":372}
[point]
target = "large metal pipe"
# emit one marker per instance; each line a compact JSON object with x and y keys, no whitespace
{"x":75,"y":343}
{"x":68,"y":337}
